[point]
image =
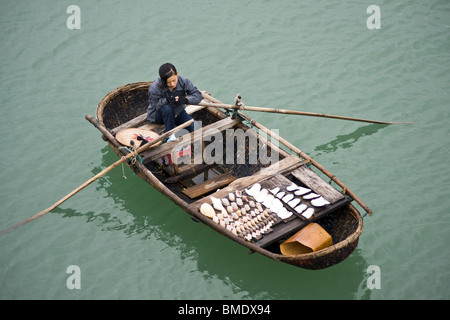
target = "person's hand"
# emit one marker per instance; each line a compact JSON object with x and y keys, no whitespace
{"x":181,"y":100}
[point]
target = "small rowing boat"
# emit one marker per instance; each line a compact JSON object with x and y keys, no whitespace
{"x":238,"y":178}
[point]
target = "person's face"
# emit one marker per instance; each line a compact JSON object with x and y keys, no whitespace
{"x":172,"y":82}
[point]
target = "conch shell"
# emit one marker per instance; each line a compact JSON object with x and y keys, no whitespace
{"x":207,"y":210}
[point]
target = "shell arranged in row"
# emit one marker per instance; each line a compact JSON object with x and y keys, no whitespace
{"x":240,"y":214}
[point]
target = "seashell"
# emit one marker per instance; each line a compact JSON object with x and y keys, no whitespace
{"x":217,"y":204}
{"x":258,"y":235}
{"x":268,"y":200}
{"x":254,"y":190}
{"x":239,"y":213}
{"x":261,"y":195}
{"x":259,"y":206}
{"x":207,"y":210}
{"x":252,"y":204}
{"x":302,"y":191}
{"x":288,"y":197}
{"x":216,"y":219}
{"x":319,"y":202}
{"x":294,"y":202}
{"x":308,"y":213}
{"x":292,"y":187}
{"x":242,"y":211}
{"x":226,"y":220}
{"x":276,"y":205}
{"x":231,"y":197}
{"x":234,"y":206}
{"x":234,"y":215}
{"x":239,"y":202}
{"x":280,"y":194}
{"x":222,"y":223}
{"x":301,"y":208}
{"x":220,"y":216}
{"x":225,"y":202}
{"x":244,"y":198}
{"x":248,"y":237}
{"x":283,"y":213}
{"x":311,"y":196}
{"x":238,"y":193}
{"x":247,"y":207}
{"x":230,"y":209}
{"x":275,"y":190}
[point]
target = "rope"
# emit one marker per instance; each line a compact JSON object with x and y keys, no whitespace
{"x":135,"y":157}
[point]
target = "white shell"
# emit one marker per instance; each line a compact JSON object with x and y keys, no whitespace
{"x":302,"y":191}
{"x":283,"y":213}
{"x":231,"y":197}
{"x":276,"y":205}
{"x":275,"y":190}
{"x":225,"y":202}
{"x":217,"y":204}
{"x":301,"y":208}
{"x":319,"y":202}
{"x":288,"y":197}
{"x":216,"y":219}
{"x":255,"y":189}
{"x":292,"y":187}
{"x":261,"y":195}
{"x":294,"y":202}
{"x":268,"y":200}
{"x":207,"y":210}
{"x":308,"y":213}
{"x":281,"y":194}
{"x":311,"y":196}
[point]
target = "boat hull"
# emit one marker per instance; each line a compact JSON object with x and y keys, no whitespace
{"x":128,"y":102}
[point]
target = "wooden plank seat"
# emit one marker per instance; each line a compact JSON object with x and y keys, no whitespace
{"x":209,"y":185}
{"x":190,"y":138}
{"x":139,"y":121}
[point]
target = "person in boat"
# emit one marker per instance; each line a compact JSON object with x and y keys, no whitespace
{"x":168,"y":96}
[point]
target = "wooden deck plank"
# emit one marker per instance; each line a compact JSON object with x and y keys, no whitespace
{"x":209,"y":185}
{"x":192,"y":137}
{"x":315,"y":183}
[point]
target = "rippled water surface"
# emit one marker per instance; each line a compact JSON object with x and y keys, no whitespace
{"x":129,"y":241}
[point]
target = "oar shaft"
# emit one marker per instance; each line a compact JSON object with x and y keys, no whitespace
{"x":98,"y":175}
{"x":294,"y":112}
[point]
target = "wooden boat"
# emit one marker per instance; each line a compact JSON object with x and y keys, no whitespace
{"x":190,"y":185}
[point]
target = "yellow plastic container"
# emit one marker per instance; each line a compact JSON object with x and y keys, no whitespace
{"x":309,"y":239}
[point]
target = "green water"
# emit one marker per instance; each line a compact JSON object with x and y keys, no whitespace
{"x":128,"y":240}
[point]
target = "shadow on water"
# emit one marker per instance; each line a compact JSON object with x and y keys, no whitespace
{"x":348,"y":140}
{"x":218,"y":258}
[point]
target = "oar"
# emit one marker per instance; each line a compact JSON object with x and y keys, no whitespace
{"x":295,"y":112}
{"x":123,"y":159}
